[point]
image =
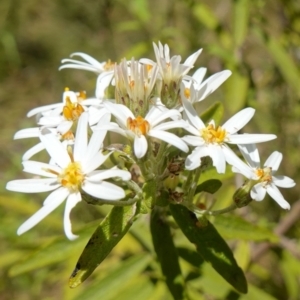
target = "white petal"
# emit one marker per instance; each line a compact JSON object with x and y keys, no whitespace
{"x":55,"y":148}
{"x":192,"y":114}
{"x":237,"y":163}
{"x":170,"y":138}
{"x":218,"y":158}
{"x":42,"y":169}
{"x":121,"y":112}
{"x":239,"y":120}
{"x":192,"y":58}
{"x":104,"y":190}
{"x":78,"y":66}
{"x":93,"y":162}
{"x":89,"y":59}
{"x":80,"y":147}
{"x":43,"y":109}
{"x":140,"y":146}
{"x":72,"y":200}
{"x":103,"y":82}
{"x":212,"y":83}
{"x":106,"y":174}
{"x":250,"y":138}
{"x":51,"y":121}
{"x":199,"y":75}
{"x":283,"y":181}
{"x":274,"y":161}
{"x":64,"y":126}
{"x":193,"y":140}
{"x":155,"y":119}
{"x":172,"y":124}
{"x":33,"y":185}
{"x":27,"y":133}
{"x":251,"y":154}
{"x":33,"y":150}
{"x":41,"y":214}
{"x":193,"y":160}
{"x":258,"y":192}
{"x":61,"y":192}
{"x":274,"y":192}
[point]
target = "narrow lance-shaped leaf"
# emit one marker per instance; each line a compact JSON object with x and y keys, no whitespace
{"x":105,"y":238}
{"x":110,"y":286}
{"x":166,"y":253}
{"x":210,"y":245}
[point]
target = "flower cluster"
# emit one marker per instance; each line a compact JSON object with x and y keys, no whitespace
{"x":152,"y":113}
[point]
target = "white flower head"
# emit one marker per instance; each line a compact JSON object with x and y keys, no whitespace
{"x":266,"y":181}
{"x":212,"y":140}
{"x":170,"y":68}
{"x":105,"y":70}
{"x":134,"y":84}
{"x":68,"y":174}
{"x":62,"y":115}
{"x":154,"y":125}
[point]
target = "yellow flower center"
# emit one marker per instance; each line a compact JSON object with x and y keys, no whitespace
{"x":212,"y":134}
{"x":139,"y":125}
{"x":72,"y":176}
{"x":264,"y":175}
{"x":72,"y":111}
{"x":187,"y":93}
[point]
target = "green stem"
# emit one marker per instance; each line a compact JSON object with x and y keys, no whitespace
{"x":216,"y":212}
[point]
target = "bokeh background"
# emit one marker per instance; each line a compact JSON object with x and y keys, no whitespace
{"x":258,"y":40}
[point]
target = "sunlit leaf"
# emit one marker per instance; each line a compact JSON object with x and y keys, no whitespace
{"x":241,"y":20}
{"x":111,"y":285}
{"x":107,"y":235}
{"x":210,"y":245}
{"x":234,"y":227}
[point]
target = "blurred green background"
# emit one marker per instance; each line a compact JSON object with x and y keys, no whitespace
{"x":259,"y":41}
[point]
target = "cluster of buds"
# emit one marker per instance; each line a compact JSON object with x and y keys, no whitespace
{"x":163,"y":142}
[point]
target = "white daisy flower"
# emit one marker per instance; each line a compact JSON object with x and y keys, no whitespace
{"x":263,"y":177}
{"x":138,"y":129}
{"x":62,"y":115}
{"x":170,"y":68}
{"x":195,"y":89}
{"x":134,"y":84}
{"x":70,"y":172}
{"x":211,"y":140}
{"x":105,"y":70}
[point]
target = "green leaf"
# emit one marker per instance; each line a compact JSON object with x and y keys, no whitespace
{"x":236,"y":88}
{"x":166,"y":253}
{"x":49,"y":253}
{"x":214,"y":112}
{"x":149,"y":190}
{"x":283,"y":60}
{"x":109,"y":287}
{"x":209,"y":186}
{"x":241,"y":20}
{"x":234,"y":227}
{"x":105,"y":238}
{"x":205,"y":15}
{"x":210,"y":245}
{"x":192,"y":257}
{"x":255,"y":293}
